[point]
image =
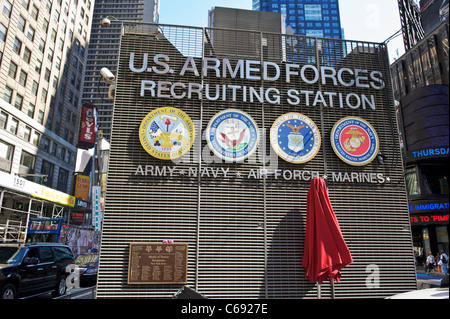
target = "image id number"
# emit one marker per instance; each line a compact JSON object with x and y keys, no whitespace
{"x":246,"y":308}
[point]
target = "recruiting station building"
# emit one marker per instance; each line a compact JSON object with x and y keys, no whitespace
{"x":216,"y":136}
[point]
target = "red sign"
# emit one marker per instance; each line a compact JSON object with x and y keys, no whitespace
{"x":429,"y":219}
{"x":87,"y":127}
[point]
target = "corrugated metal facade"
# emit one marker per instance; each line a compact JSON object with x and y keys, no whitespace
{"x":245,"y":234}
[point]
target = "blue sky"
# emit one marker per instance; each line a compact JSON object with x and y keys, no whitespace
{"x":365,"y":20}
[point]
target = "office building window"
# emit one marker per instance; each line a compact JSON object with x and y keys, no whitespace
{"x":313,"y":12}
{"x":12,"y":72}
{"x":3,"y":119}
{"x":7,"y":96}
{"x":2,"y":32}
{"x":7,"y":8}
{"x":21,"y":23}
{"x":13,"y":126}
{"x":23,"y":78}
{"x":17,"y":46}
{"x":18,"y":102}
{"x":26,"y":55}
{"x":48,"y":169}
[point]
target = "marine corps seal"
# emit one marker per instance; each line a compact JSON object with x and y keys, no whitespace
{"x":354,"y":141}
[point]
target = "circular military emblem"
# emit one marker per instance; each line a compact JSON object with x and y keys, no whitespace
{"x":354,"y":141}
{"x":232,"y":135}
{"x":166,"y":133}
{"x":295,"y":138}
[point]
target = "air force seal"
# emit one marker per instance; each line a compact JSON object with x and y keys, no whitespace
{"x":166,"y":133}
{"x":354,"y":141}
{"x":232,"y":135}
{"x":295,"y":138}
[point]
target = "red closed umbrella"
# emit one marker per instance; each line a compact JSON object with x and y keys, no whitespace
{"x":326,"y":252}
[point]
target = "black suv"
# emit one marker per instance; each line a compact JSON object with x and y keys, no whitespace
{"x":27,"y":269}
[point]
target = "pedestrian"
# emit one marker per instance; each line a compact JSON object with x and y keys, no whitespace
{"x":430,"y":263}
{"x":444,"y":262}
{"x":437,"y":263}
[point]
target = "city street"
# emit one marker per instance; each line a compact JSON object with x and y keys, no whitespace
{"x":75,"y":293}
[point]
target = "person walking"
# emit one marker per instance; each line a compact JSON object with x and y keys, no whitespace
{"x":444,"y":262}
{"x":430,"y":263}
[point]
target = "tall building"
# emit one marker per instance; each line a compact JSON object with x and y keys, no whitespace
{"x":420,"y":81}
{"x":411,"y":22}
{"x":43,"y":57}
{"x":306,"y":17}
{"x":104,"y":50}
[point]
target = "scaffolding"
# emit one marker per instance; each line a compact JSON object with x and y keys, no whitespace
{"x":16,"y":209}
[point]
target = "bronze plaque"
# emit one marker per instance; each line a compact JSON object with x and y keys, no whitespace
{"x":152,"y":263}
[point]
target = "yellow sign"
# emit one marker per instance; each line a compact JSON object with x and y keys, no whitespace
{"x":166,"y":133}
{"x":54,"y":196}
{"x":82,"y":183}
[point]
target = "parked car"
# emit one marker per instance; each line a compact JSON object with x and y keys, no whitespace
{"x":27,"y":269}
{"x":88,"y":267}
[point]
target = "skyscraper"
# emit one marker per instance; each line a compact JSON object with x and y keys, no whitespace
{"x":42,"y":57}
{"x":43,"y":45}
{"x":104,"y":50}
{"x":316,"y":18}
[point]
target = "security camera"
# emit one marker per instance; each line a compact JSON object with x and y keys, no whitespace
{"x":108,"y":77}
{"x":106,"y":22}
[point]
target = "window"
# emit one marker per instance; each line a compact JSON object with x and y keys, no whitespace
{"x":62,"y":253}
{"x":38,"y":66}
{"x":40,"y":118}
{"x":41,"y":45}
{"x":45,"y":143}
{"x":44,"y":96}
{"x":434,"y":178}
{"x":12,"y":72}
{"x":13,"y":126}
{"x":7,"y":96}
{"x":34,"y":12}
{"x":28,"y":160}
{"x":18,"y":102}
{"x":48,"y":169}
{"x":313,"y":12}
{"x":7,"y":8}
{"x":2,"y":32}
{"x":21,"y":23}
{"x":6,"y":150}
{"x":6,"y":153}
{"x":31,"y":108}
{"x":26,"y":55}
{"x":45,"y":26}
{"x":63,"y":177}
{"x":34,"y":88}
{"x":45,"y":254}
{"x":3,"y":119}
{"x":26,"y":3}
{"x":23,"y":78}
{"x":27,"y":133}
{"x":17,"y":46}
{"x":36,"y":138}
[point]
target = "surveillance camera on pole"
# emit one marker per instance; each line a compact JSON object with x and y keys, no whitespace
{"x":106,"y":22}
{"x":107,"y":76}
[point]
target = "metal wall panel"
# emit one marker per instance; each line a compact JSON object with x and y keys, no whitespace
{"x":246,"y":235}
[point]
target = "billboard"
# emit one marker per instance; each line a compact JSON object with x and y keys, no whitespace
{"x":433,"y":13}
{"x":217,"y":150}
{"x":86,"y":138}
